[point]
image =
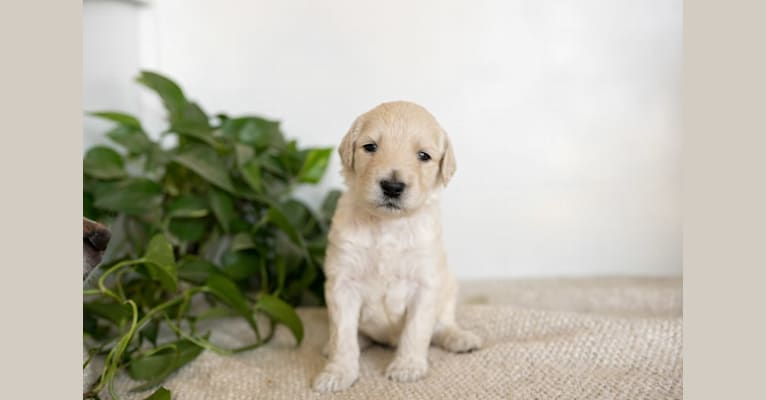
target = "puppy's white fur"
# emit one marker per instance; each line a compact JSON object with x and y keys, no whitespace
{"x":386,"y":267}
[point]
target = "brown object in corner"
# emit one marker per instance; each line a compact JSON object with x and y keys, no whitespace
{"x":95,"y":238}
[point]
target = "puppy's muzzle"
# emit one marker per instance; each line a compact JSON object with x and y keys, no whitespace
{"x":392,"y":188}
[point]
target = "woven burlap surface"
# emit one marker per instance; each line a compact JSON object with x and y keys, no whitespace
{"x":528,"y":354}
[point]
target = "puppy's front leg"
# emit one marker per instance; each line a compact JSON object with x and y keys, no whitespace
{"x":411,"y":360}
{"x":342,"y":368}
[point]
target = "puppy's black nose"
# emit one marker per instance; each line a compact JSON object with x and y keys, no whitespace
{"x":392,"y":189}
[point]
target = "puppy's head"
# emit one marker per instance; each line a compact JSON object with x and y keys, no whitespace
{"x":395,"y":158}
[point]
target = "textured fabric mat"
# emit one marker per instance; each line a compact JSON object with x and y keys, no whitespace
{"x":617,"y":296}
{"x":528,"y":354}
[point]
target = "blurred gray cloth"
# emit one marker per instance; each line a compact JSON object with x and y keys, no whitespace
{"x":613,"y":338}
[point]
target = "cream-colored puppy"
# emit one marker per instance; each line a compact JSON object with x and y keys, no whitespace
{"x":386,"y":267}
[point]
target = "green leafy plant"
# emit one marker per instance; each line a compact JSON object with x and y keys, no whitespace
{"x":204,"y":228}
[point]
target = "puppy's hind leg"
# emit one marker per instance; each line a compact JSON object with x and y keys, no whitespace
{"x":449,"y":336}
{"x":457,"y":340}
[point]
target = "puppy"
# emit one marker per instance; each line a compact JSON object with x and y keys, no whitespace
{"x":386,"y":266}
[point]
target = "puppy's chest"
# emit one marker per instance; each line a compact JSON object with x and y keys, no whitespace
{"x":393,"y":254}
{"x":388,"y":264}
{"x":393,"y":267}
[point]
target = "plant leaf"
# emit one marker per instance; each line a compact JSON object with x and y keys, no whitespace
{"x":329,"y":204}
{"x":188,"y":229}
{"x":118,"y":117}
{"x":155,"y":367}
{"x":161,"y":262}
{"x":205,"y":162}
{"x":248,"y":165}
{"x":135,"y":196}
{"x":278,"y":218}
{"x":300,"y":216}
{"x":150,"y":331}
{"x":186,"y":117}
{"x":172,"y":96}
{"x":160,"y":394}
{"x":292,"y":254}
{"x":307,"y":277}
{"x":242,"y":241}
{"x":226,"y":291}
{"x":292,"y":159}
{"x":114,"y":313}
{"x":92,"y":328}
{"x":240,"y":265}
{"x":88,"y":209}
{"x":255,"y":131}
{"x":196,"y":270}
{"x":188,"y":206}
{"x":156,"y":159}
{"x":160,"y":252}
{"x":282,"y":313}
{"x":251,"y":171}
{"x":271,"y":164}
{"x":315,"y":165}
{"x":193,"y":122}
{"x":192,"y":119}
{"x":213,"y":246}
{"x":281,"y":271}
{"x":133,"y":140}
{"x":104,"y":163}
{"x":222,"y":206}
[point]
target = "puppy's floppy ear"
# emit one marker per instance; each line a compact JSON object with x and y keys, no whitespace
{"x":347,"y":145}
{"x":447,"y":165}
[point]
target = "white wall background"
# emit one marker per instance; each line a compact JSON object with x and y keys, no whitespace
{"x":565,"y":115}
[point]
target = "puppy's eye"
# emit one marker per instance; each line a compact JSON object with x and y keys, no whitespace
{"x":423,"y":156}
{"x":370,"y":147}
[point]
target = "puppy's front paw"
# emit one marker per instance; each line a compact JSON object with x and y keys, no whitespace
{"x":460,"y":341}
{"x":407,"y":370}
{"x":335,"y":378}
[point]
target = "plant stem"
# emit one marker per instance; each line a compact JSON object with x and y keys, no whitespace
{"x":102,"y":279}
{"x":111,"y":364}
